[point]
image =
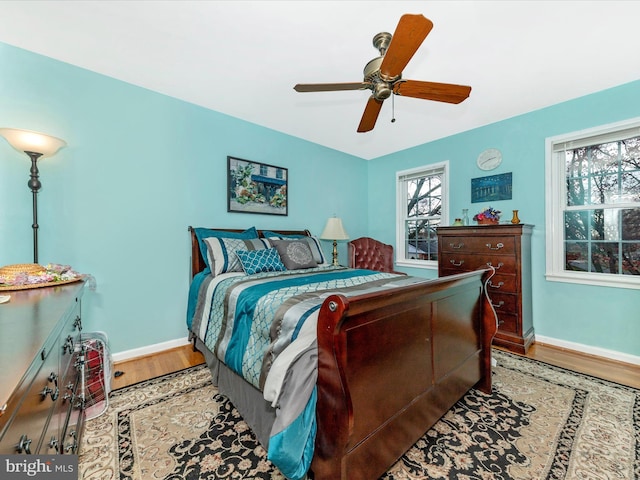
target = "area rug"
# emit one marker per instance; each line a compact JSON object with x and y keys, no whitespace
{"x":541,"y":422}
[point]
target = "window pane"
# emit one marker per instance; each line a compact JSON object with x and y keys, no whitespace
{"x":630,"y":187}
{"x":631,"y":258}
{"x":604,"y":189}
{"x":421,"y":240}
{"x":577,"y":191}
{"x":424,"y":196}
{"x":575,"y":225}
{"x":576,"y":163}
{"x":576,"y":255}
{"x":604,"y":257}
{"x":604,"y":158}
{"x":631,"y":224}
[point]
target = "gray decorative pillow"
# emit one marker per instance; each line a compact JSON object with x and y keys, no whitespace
{"x":295,"y":254}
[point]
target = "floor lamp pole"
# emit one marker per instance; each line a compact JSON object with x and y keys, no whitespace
{"x":34,"y":184}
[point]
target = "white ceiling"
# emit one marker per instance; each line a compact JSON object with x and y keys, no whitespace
{"x":243,"y":58}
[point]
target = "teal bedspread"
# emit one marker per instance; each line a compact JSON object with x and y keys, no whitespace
{"x":263,"y":327}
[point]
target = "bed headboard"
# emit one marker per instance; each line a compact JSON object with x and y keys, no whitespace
{"x":197,"y":262}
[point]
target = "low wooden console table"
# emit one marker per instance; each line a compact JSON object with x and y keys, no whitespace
{"x":41,"y":363}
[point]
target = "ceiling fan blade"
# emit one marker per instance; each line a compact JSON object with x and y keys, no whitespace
{"x":330,"y":87}
{"x":409,"y":35}
{"x":370,"y":115}
{"x":439,"y":92}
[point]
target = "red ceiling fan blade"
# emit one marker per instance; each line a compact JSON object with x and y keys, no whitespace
{"x":330,"y":87}
{"x":439,"y":92}
{"x":409,"y":35}
{"x":370,"y":115}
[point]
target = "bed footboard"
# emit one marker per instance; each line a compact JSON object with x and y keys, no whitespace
{"x":390,"y":365}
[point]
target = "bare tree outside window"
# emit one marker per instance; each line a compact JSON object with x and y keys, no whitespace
{"x":421,"y":207}
{"x":602,"y":214}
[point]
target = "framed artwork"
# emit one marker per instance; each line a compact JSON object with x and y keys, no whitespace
{"x":254,"y":187}
{"x":491,"y":188}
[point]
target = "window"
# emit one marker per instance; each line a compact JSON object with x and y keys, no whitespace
{"x":593,"y":206}
{"x":422,"y":204}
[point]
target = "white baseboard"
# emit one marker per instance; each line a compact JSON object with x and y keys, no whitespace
{"x":596,"y":351}
{"x":578,"y":347}
{"x":149,"y":349}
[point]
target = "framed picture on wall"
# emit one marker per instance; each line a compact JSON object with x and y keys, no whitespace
{"x":491,"y":188}
{"x":254,"y":187}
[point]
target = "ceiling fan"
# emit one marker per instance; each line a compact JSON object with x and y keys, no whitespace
{"x":383,"y":74}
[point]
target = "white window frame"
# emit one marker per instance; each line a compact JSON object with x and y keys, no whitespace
{"x":401,"y":210}
{"x":556,"y":198}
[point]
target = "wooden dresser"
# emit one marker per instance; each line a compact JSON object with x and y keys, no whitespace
{"x":508,"y":249}
{"x":41,"y":362}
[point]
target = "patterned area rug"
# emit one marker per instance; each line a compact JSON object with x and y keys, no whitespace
{"x":541,"y":422}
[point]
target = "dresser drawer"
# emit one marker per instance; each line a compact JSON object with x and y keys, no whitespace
{"x":500,"y":283}
{"x":503,"y":245}
{"x":504,"y":302}
{"x":466,"y":262}
{"x":24,"y":433}
{"x":508,"y":323}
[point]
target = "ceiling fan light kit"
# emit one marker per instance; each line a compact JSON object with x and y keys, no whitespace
{"x":383,"y":74}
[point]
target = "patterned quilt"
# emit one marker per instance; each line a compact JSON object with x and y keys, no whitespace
{"x":263,"y":327}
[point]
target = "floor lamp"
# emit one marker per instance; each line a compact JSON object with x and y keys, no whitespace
{"x":35,"y":145}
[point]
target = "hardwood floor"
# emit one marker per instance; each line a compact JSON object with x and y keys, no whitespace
{"x":150,"y":366}
{"x":619,"y":372}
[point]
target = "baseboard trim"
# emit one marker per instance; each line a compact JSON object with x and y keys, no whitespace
{"x":589,"y":350}
{"x":578,"y":347}
{"x":149,"y":349}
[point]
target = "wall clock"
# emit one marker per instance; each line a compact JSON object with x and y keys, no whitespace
{"x":489,"y":159}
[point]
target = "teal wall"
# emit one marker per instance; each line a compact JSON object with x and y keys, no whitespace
{"x":140,"y":167}
{"x":138,"y":170}
{"x":600,"y":317}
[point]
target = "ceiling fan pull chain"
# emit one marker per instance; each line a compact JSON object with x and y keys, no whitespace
{"x":393,"y":108}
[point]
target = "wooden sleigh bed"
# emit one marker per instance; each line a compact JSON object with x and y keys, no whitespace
{"x":389,"y":365}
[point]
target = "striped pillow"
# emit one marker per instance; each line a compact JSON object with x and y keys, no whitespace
{"x":221,"y":252}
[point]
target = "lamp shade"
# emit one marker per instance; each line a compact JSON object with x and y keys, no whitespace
{"x":28,"y":141}
{"x":334,"y":230}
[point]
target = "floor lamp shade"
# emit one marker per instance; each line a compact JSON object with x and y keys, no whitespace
{"x":28,"y":141}
{"x":36,"y":145}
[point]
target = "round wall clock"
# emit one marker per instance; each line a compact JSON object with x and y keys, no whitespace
{"x":489,"y":159}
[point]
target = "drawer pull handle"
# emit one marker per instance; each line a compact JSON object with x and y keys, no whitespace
{"x":500,"y":304}
{"x":68,"y":345}
{"x":456,"y":246}
{"x":53,"y":377}
{"x":24,"y":445}
{"x":497,"y":267}
{"x":497,"y":247}
{"x":50,"y":391}
{"x":53,"y":443}
{"x":453,"y":262}
{"x":77,"y":323}
{"x":71,"y":447}
{"x":495,"y":286}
